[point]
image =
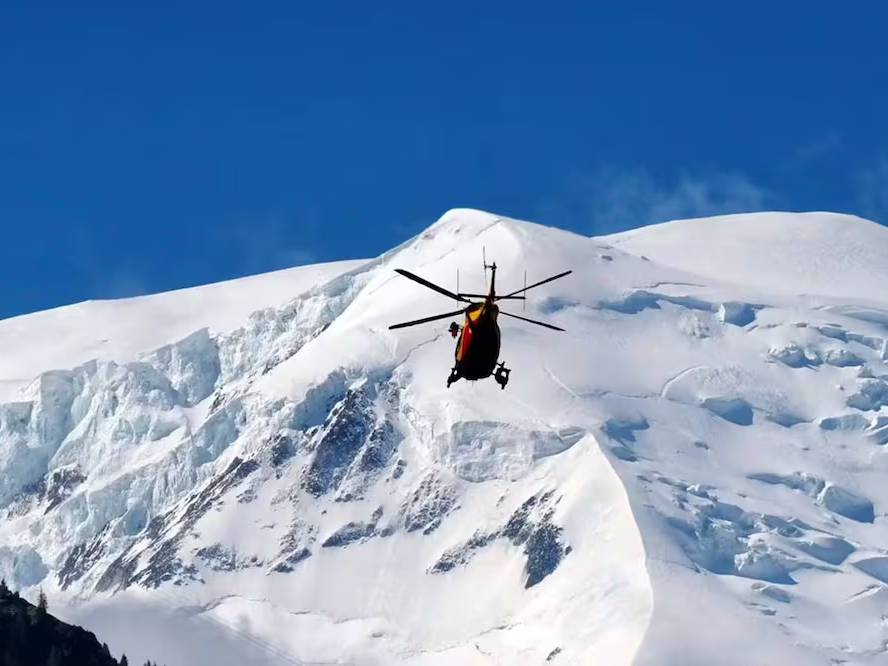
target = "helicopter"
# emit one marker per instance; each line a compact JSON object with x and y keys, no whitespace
{"x":478,"y":346}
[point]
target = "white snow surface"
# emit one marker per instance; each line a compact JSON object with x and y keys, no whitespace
{"x":799,"y":253}
{"x":122,"y":329}
{"x":691,"y":474}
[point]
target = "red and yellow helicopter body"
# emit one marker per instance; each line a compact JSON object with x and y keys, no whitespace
{"x":477,"y":349}
{"x":478,"y":346}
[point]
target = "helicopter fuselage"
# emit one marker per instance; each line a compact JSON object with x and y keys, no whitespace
{"x":478,"y":347}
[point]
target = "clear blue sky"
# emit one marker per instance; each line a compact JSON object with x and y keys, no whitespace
{"x":151,"y":146}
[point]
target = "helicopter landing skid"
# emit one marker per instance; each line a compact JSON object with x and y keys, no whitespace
{"x":502,"y":375}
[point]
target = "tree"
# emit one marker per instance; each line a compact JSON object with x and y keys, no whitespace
{"x":3,"y":589}
{"x":55,"y":658}
{"x":42,"y":604}
{"x":124,"y":661}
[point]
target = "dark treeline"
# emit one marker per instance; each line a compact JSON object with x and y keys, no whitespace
{"x":31,"y":636}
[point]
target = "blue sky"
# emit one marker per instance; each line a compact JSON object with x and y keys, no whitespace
{"x":146,"y":147}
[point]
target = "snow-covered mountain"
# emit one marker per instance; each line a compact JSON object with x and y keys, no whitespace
{"x":261,"y":472}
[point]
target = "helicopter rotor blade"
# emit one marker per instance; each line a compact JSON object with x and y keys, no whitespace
{"x":431,"y":285}
{"x":532,"y":321}
{"x":425,"y":319}
{"x":536,"y":284}
{"x":482,"y":296}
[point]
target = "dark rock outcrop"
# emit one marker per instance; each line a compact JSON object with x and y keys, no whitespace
{"x":30,"y":636}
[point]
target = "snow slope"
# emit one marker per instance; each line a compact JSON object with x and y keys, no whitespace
{"x":122,"y":329}
{"x":691,"y":474}
{"x":796,"y":253}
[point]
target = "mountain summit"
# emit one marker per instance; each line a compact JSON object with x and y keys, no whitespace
{"x":261,"y":472}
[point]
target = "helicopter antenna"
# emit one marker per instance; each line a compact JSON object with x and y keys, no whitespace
{"x":457,"y":283}
{"x":491,"y":293}
{"x":484,"y":255}
{"x":484,"y":263}
{"x":524,"y":303}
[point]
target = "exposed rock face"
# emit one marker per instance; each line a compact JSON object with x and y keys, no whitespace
{"x":529,"y":526}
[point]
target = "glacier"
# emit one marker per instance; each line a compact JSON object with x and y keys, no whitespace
{"x":259,"y":471}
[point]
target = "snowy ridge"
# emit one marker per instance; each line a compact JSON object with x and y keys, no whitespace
{"x":795,"y":253}
{"x":122,"y":329}
{"x":302,"y":488}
